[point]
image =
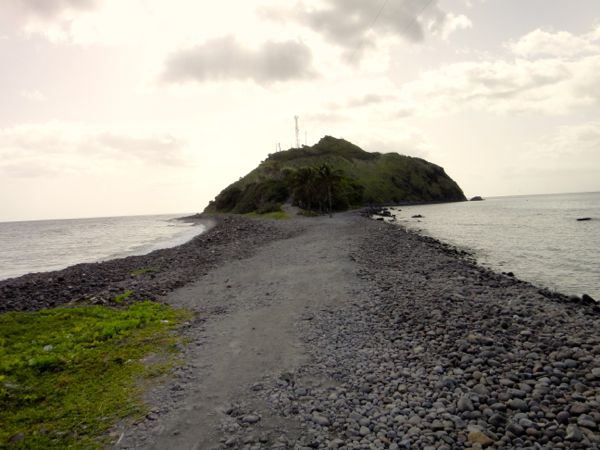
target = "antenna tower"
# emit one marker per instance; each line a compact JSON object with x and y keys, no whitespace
{"x":297,"y":132}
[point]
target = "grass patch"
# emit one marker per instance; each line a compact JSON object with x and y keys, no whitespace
{"x":67,"y":375}
{"x":122,"y":297}
{"x":275,"y":215}
{"x":142,"y":271}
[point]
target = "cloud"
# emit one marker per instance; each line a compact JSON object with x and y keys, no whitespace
{"x":355,"y":25}
{"x":55,"y":148}
{"x":454,"y":23}
{"x":51,"y":8}
{"x":540,"y":43}
{"x":572,"y":146}
{"x":33,"y":96}
{"x":226,"y":59}
{"x":553,"y":84}
{"x":363,"y":101}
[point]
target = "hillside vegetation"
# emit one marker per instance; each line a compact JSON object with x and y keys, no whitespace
{"x":335,"y":174}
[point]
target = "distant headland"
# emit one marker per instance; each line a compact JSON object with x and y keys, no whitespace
{"x":336,"y":175}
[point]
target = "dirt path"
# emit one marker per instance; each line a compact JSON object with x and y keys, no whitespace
{"x":251,"y":307}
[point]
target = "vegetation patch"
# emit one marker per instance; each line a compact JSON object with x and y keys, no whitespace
{"x":142,"y":271}
{"x":67,"y":375}
{"x":122,"y":297}
{"x":275,"y":215}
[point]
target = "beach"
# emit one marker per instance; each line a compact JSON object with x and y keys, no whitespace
{"x":348,"y":333}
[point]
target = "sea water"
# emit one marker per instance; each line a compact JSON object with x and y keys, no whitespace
{"x":44,"y":245}
{"x":538,"y":237}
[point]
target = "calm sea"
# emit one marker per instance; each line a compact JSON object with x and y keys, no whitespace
{"x":39,"y":246}
{"x":536,"y":237}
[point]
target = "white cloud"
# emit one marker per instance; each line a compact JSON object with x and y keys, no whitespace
{"x":50,"y":8}
{"x":454,"y":23}
{"x":34,"y":96}
{"x":227,"y":59}
{"x":540,"y":43}
{"x":558,"y":84}
{"x":568,"y":147}
{"x":357,"y":25}
{"x":45,"y":149}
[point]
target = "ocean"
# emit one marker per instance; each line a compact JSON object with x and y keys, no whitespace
{"x":44,"y":245}
{"x":537,"y":237}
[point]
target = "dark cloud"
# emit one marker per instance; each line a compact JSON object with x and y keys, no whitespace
{"x":355,"y":24}
{"x":226,"y":59}
{"x":50,"y":8}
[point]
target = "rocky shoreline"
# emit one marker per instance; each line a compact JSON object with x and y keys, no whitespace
{"x":422,"y":348}
{"x":434,"y":352}
{"x":147,"y":276}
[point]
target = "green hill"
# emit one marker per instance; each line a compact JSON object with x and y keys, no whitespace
{"x":339,"y":173}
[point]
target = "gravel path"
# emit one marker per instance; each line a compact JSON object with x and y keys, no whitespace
{"x":356,"y":334}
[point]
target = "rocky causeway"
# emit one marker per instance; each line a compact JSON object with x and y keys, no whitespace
{"x":349,"y":333}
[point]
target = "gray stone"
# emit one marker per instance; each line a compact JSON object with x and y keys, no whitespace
{"x":321,"y":420}
{"x":587,"y":421}
{"x":573,"y":433}
{"x":250,"y":419}
{"x":518,"y":404}
{"x":465,"y":404}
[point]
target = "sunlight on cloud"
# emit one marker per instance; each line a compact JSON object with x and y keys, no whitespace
{"x":540,"y":43}
{"x":45,"y":149}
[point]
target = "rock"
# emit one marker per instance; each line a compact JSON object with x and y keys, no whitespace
{"x":477,"y":198}
{"x":321,"y":420}
{"x":586,"y":421}
{"x":250,"y":419}
{"x":478,"y":437}
{"x":364,"y":431}
{"x":515,"y":429}
{"x":497,"y":420}
{"x":595,"y":372}
{"x":518,"y":404}
{"x":417,"y":216}
{"x":465,"y":404}
{"x":584,"y":219}
{"x":573,"y":433}
{"x":579,"y":408}
{"x":563,"y":417}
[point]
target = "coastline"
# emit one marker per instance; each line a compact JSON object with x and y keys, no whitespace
{"x":148,"y":276}
{"x":353,"y":333}
{"x":358,"y":334}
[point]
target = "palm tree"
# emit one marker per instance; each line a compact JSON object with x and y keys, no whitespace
{"x":329,"y":178}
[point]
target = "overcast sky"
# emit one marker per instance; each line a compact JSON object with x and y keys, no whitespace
{"x":120,"y":107}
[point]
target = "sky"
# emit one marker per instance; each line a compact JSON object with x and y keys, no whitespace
{"x":124,"y":107}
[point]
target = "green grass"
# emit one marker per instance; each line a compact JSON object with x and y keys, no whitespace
{"x":122,"y":297}
{"x":67,"y":375}
{"x":275,"y":215}
{"x":142,"y":271}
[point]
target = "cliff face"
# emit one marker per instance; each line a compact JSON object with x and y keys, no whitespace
{"x":356,"y":178}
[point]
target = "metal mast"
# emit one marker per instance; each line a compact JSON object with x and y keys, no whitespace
{"x":297,"y":132}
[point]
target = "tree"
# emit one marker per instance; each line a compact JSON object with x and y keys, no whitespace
{"x":329,"y":179}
